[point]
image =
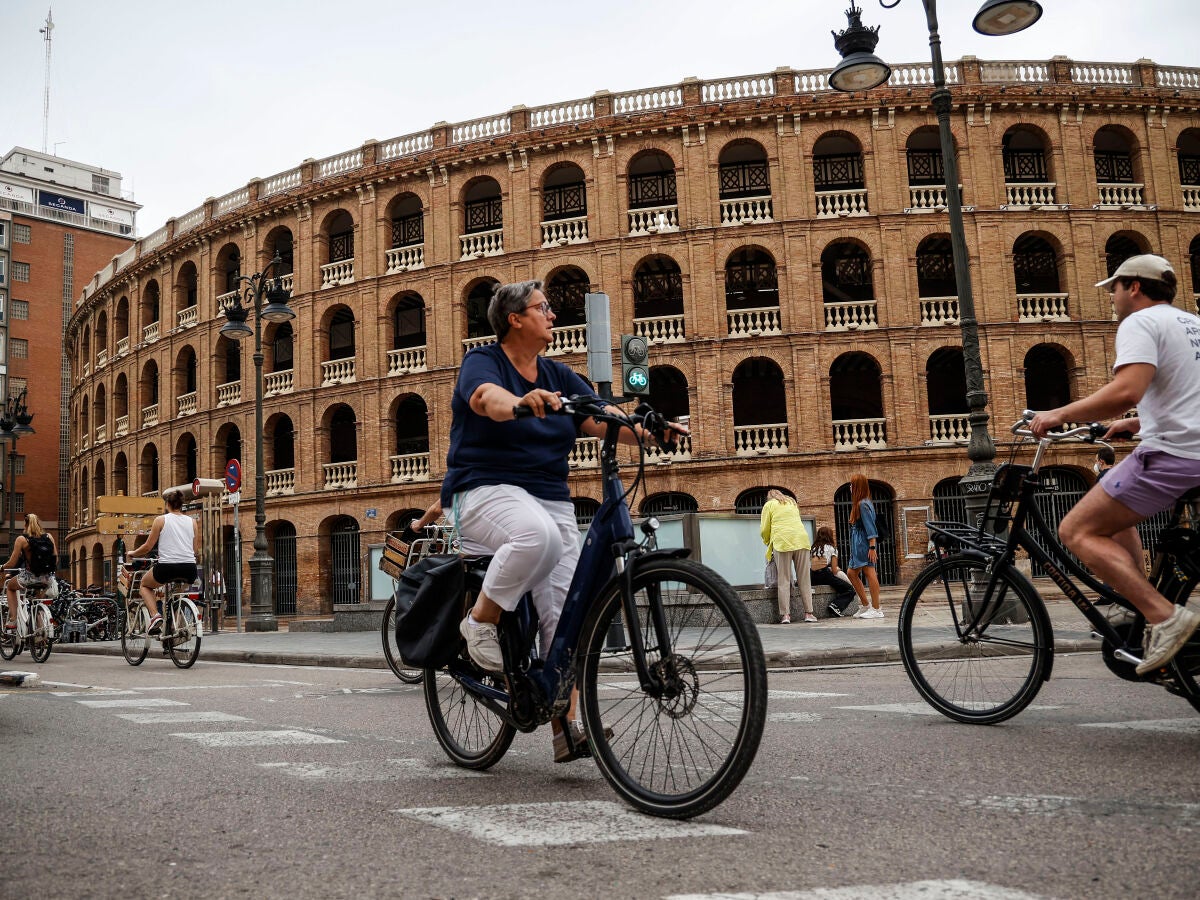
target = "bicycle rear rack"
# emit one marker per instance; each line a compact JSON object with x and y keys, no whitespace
{"x":952,"y":536}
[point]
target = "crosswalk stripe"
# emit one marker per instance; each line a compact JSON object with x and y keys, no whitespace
{"x":181,"y":718}
{"x":131,"y":703}
{"x":1175,"y":726}
{"x":805,"y":718}
{"x":100,"y":692}
{"x":550,"y":824}
{"x":255,"y":738}
{"x":919,"y":708}
{"x":373,"y":770}
{"x":952,"y":889}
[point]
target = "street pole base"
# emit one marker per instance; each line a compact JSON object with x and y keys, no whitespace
{"x":266,"y":622}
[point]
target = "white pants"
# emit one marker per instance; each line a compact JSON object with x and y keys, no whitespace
{"x":535,"y":547}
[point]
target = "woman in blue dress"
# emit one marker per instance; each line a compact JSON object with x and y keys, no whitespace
{"x":864,"y":535}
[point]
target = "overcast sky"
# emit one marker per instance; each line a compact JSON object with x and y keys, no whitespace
{"x":189,"y":100}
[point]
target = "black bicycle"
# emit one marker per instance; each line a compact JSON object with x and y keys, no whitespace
{"x":975,"y":636}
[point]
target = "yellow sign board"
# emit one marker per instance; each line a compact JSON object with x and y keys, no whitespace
{"x":126,"y":525}
{"x":122,"y":505}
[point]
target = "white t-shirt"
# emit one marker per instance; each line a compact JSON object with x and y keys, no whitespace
{"x":1168,"y":338}
{"x":175,"y":539}
{"x":828,"y":553}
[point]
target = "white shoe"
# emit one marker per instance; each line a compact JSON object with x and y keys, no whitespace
{"x":861,"y":611}
{"x":483,"y":644}
{"x":873,"y":614}
{"x":1165,"y":639}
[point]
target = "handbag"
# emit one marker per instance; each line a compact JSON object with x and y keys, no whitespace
{"x":770,"y":574}
{"x":429,"y":607}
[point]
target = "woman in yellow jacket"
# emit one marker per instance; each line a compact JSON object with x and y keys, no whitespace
{"x":788,"y":542}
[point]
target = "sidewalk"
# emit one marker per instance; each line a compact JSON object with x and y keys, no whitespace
{"x":828,"y":642}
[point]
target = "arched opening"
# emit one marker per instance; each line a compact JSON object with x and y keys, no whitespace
{"x":227,"y":446}
{"x":846,"y":273}
{"x":668,"y":503}
{"x":1047,"y":378}
{"x":652,"y":180}
{"x":120,"y":475}
{"x":949,"y":505}
{"x":150,"y":304}
{"x":585,"y":510}
{"x":856,"y":402}
{"x":280,"y":437}
{"x":102,"y":335}
{"x":669,"y":391}
{"x":412,"y":426}
{"x":280,"y":242}
{"x":1113,"y":151}
{"x":946,"y":382}
{"x":1120,"y":246}
{"x":121,"y":320}
{"x":477,"y":301}
{"x":1188,"y":153}
{"x":1035,"y":265}
{"x":935,"y":268}
{"x":564,"y":193}
{"x":121,"y":403}
{"x":341,"y":333}
{"x":758,"y":393}
{"x":228,"y":361}
{"x":657,"y":288}
{"x":407,"y":218}
{"x":751,"y":281}
{"x":1025,"y":156}
{"x":923,"y":155}
{"x":408,"y":321}
{"x":751,"y":501}
{"x":1194,"y":261}
{"x":185,"y":378}
{"x":339,"y":229}
{"x":282,"y":537}
{"x":186,"y":287}
{"x":343,"y":435}
{"x":483,"y":208}
{"x":279,"y":339}
{"x":345,"y":570}
{"x":742,"y":171}
{"x":228,"y":267}
{"x":100,"y":408}
{"x":148,"y":471}
{"x":148,"y":389}
{"x":565,"y":289}
{"x":186,"y":461}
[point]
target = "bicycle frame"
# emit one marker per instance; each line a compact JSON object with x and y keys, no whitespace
{"x":609,"y":544}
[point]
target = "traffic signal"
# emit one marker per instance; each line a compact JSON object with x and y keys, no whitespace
{"x":635,"y":365}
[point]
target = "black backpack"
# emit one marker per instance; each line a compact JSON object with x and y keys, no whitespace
{"x":41,"y":555}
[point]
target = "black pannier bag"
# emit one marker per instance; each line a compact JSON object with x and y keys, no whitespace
{"x":429,"y":607}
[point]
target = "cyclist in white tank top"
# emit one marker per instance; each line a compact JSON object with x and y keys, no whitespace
{"x":175,"y":535}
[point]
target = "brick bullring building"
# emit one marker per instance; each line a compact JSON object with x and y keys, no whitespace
{"x":784,"y":246}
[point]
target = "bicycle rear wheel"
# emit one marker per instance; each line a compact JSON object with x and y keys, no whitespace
{"x":983,"y":674}
{"x":471,"y":734}
{"x":680,"y":754}
{"x":184,"y":643}
{"x":9,"y":645}
{"x":391,"y":652}
{"x":135,"y":642}
{"x":42,"y":639}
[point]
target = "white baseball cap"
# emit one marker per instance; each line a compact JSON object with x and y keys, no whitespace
{"x":1147,"y":265}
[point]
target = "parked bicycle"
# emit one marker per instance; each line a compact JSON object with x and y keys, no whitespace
{"x":35,"y":624}
{"x":975,"y":636}
{"x":672,"y":679}
{"x":88,"y":615}
{"x":436,"y":539}
{"x":182,"y":627}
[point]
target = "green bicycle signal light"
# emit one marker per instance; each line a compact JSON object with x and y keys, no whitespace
{"x":635,"y":365}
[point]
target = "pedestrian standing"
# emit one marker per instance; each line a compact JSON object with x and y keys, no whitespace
{"x":825,"y":570}
{"x":788,"y":544}
{"x":864,"y":535}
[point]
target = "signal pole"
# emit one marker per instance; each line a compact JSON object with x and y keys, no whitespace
{"x":47,"y":31}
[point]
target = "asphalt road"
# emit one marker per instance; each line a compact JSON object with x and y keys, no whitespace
{"x":232,"y":780}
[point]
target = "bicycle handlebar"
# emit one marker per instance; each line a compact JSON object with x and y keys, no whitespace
{"x":596,"y":407}
{"x":1090,"y":433}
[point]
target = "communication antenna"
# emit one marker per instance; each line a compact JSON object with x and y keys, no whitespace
{"x":46,"y":30}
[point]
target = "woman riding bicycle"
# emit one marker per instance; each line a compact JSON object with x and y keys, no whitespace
{"x":178,"y":543}
{"x":506,"y":478}
{"x":29,"y":576}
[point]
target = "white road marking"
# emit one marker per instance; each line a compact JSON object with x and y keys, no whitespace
{"x":131,"y":703}
{"x":180,"y":718}
{"x":373,"y":770}
{"x":801,"y":695}
{"x":97,"y":692}
{"x":1181,"y":815}
{"x":912,"y":709}
{"x":254,"y":738}
{"x":1175,"y":726}
{"x":551,"y":824}
{"x":802,"y":717}
{"x":954,"y":889}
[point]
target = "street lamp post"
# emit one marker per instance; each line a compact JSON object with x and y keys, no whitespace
{"x":860,"y":70}
{"x":15,"y":419}
{"x":251,"y":289}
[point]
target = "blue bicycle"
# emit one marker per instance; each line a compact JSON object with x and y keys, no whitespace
{"x":672,"y":679}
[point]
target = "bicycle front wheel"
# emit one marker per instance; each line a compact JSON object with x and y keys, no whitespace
{"x":135,"y":641}
{"x":42,"y":639}
{"x":391,"y":652}
{"x":184,"y":643}
{"x":9,"y":645}
{"x":679,"y":754}
{"x":973,"y":661}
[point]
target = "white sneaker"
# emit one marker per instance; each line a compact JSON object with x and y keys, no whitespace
{"x":873,"y":614}
{"x":1165,"y":639}
{"x":483,"y":644}
{"x":861,"y":611}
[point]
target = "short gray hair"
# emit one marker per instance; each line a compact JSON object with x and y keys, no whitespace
{"x":506,"y":300}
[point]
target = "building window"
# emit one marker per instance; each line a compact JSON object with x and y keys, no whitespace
{"x":19,"y":502}
{"x":19,"y":465}
{"x":22,"y":234}
{"x":20,"y":271}
{"x":18,"y":348}
{"x":16,"y":385}
{"x":100,"y":183}
{"x":19,"y":309}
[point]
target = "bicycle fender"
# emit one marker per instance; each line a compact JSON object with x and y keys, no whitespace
{"x":199,"y":618}
{"x":651,"y":555}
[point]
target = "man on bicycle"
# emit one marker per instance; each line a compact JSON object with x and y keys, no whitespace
{"x":1157,"y":370}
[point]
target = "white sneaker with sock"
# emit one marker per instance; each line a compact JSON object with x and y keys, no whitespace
{"x":483,"y":644}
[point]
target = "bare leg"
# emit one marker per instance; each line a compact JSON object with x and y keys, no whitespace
{"x":856,"y":583}
{"x":873,"y":585}
{"x":486,"y":610}
{"x":1102,"y":533}
{"x":146,"y":590}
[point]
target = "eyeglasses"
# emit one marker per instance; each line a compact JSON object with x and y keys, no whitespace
{"x":543,"y":307}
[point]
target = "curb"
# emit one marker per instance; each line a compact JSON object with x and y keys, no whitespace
{"x":19,"y":679}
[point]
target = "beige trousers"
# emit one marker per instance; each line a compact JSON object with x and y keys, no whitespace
{"x":787,"y":562}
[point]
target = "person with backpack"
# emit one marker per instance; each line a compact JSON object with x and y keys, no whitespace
{"x":37,"y":556}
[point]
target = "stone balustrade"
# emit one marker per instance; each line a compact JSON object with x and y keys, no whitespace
{"x":860,"y":434}
{"x":746,"y":211}
{"x":337,"y":273}
{"x":285,"y":281}
{"x":85,"y":517}
{"x":227,"y":300}
{"x":760,"y":440}
{"x":1042,"y":308}
{"x":122,"y":346}
{"x":186,"y":318}
{"x":561,"y":232}
{"x":337,"y":371}
{"x":1030,"y":195}
{"x":402,"y":259}
{"x":339,"y":164}
{"x":856,"y":315}
{"x":101,"y":359}
{"x":406,"y":361}
{"x":277,"y":383}
{"x":186,"y":404}
{"x":832,"y":204}
{"x":280,"y":482}
{"x":229,"y":393}
{"x":150,"y":333}
{"x":482,"y":243}
{"x":955,"y":429}
{"x":87,"y":370}
{"x":410,"y":467}
{"x":150,"y":415}
{"x":85,"y":442}
{"x":101,"y":433}
{"x":1120,"y":196}
{"x":654,"y":220}
{"x":568,"y":339}
{"x":122,"y":426}
{"x":660,"y":329}
{"x":681,"y":453}
{"x":754,"y":322}
{"x":585,"y":454}
{"x":931,"y":197}
{"x":1191,"y":197}
{"x":939,"y":310}
{"x":472,"y":343}
{"x":341,"y":475}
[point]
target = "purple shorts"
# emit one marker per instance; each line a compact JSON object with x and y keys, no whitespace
{"x":1148,"y":481}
